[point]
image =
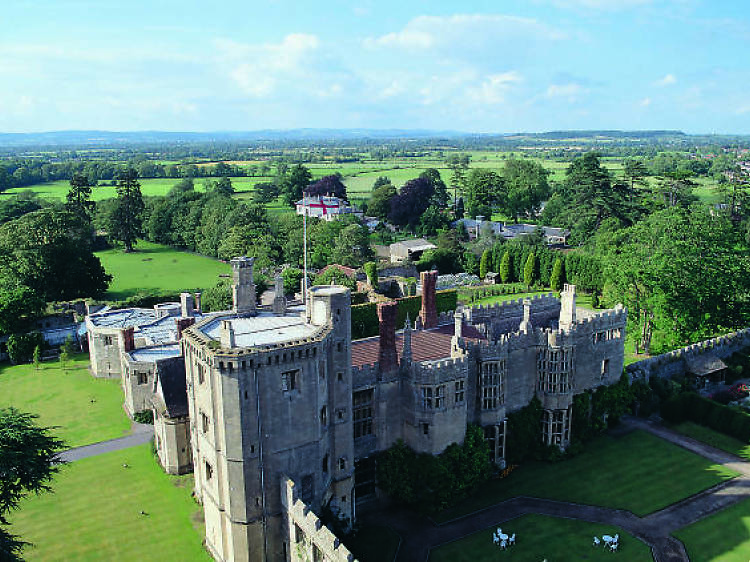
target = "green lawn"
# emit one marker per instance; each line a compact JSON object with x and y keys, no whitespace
{"x":714,"y":438}
{"x":95,"y":513}
{"x":539,"y":537}
{"x":158,"y":269}
{"x":149,"y":187}
{"x":374,"y":544}
{"x":86,"y":409}
{"x":723,"y":537}
{"x":638,"y":472}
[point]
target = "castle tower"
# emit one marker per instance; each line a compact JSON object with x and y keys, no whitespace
{"x":270,"y":396}
{"x":428,"y":313}
{"x":243,"y":286}
{"x":567,"y":307}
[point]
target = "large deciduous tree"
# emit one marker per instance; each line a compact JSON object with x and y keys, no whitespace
{"x":126,"y":218}
{"x":526,"y":186}
{"x":328,"y":185}
{"x":411,"y":201}
{"x":684,"y":275}
{"x":484,"y":189}
{"x":49,"y":251}
{"x":380,"y":201}
{"x":294,"y":183}
{"x":27,"y":465}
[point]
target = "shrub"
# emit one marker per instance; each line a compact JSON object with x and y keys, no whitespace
{"x":371,"y":270}
{"x":145,"y":417}
{"x":21,"y":346}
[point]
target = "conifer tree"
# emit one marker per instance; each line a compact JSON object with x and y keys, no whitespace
{"x":529,"y":270}
{"x":484,"y":264}
{"x":506,"y":268}
{"x":126,"y":219}
{"x":557,"y":277}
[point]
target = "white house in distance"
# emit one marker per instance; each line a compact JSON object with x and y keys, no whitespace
{"x":326,"y":207}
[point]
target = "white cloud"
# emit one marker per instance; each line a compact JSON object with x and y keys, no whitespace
{"x":495,"y":87}
{"x":258,"y":69}
{"x":569,"y":90}
{"x":645,"y":102}
{"x":464,"y":30}
{"x":604,"y":5}
{"x":667,"y":80}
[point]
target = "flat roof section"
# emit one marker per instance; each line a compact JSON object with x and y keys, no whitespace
{"x":264,"y":329}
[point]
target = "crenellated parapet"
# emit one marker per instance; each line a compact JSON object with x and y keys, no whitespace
{"x":511,"y":308}
{"x":365,"y":375}
{"x":435,"y":372}
{"x":308,"y":537}
{"x":673,"y":362}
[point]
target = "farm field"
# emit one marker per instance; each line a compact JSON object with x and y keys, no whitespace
{"x":149,"y":187}
{"x":723,"y":537}
{"x":638,"y":472}
{"x":85,"y":409}
{"x":539,"y":537}
{"x":95,"y":513}
{"x":158,"y":269}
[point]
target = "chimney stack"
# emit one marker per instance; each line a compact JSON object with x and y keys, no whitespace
{"x":406,"y":351}
{"x":128,"y":338}
{"x":243,"y":286}
{"x":187,"y":307}
{"x":226,"y":334}
{"x":182,"y":325}
{"x":198,"y":302}
{"x":567,"y":307}
{"x":387,"y":356}
{"x":279,"y":301}
{"x":428,"y":313}
{"x":526,"y":322}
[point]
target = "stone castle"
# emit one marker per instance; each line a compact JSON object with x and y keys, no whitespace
{"x":279,"y":413}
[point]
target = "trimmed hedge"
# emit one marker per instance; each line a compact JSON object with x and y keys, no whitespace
{"x":365,"y":316}
{"x":695,"y":408}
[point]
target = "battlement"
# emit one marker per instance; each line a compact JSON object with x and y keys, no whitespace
{"x":441,"y":370}
{"x":306,"y":532}
{"x":668,"y":364}
{"x":612,"y":318}
{"x":511,"y":307}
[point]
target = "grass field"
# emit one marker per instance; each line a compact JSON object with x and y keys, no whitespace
{"x":149,"y":187}
{"x":638,"y":472}
{"x":95,"y":513}
{"x":539,"y":537}
{"x":724,"y":537}
{"x":714,"y":438}
{"x":158,"y":269}
{"x":86,"y":409}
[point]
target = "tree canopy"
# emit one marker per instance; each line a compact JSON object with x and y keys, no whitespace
{"x":27,"y":465}
{"x":328,"y":185}
{"x":126,"y":218}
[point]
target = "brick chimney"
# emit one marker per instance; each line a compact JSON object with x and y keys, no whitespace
{"x":428,"y":313}
{"x":387,"y":356}
{"x":128,"y":338}
{"x":182,"y":325}
{"x":198,"y":302}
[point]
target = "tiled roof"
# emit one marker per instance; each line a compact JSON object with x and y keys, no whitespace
{"x":426,"y":345}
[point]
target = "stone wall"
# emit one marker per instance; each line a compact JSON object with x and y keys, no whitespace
{"x":307,"y":537}
{"x":673,"y":363}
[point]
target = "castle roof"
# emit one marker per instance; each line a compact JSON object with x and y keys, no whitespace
{"x":265,"y":328}
{"x":171,"y":396}
{"x":426,"y":345}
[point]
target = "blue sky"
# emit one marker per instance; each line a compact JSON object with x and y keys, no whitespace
{"x":494,"y":66}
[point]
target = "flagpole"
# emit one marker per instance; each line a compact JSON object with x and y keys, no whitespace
{"x":304,"y":247}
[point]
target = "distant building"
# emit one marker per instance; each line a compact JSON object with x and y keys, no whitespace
{"x":326,"y":207}
{"x":509,"y":231}
{"x":409,"y":249}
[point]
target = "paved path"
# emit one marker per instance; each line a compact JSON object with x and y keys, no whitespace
{"x":140,"y":434}
{"x":419,"y":534}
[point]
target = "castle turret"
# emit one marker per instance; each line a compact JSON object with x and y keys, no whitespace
{"x":567,"y":307}
{"x":406,"y":351}
{"x":243,"y":286}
